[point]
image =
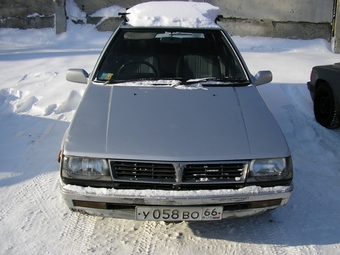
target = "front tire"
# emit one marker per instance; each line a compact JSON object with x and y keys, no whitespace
{"x":324,"y":107}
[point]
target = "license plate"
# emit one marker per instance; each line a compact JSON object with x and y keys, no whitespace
{"x":156,"y":213}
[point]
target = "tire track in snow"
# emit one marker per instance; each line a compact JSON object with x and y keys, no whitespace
{"x":32,"y":203}
{"x":316,"y":164}
{"x":77,"y":233}
{"x":259,"y":234}
{"x":308,"y":131}
{"x":237,"y":236}
{"x":112,"y":236}
{"x":30,"y":196}
{"x":145,"y":244}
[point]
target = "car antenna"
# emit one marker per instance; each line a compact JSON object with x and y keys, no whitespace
{"x":218,"y":18}
{"x":123,"y":16}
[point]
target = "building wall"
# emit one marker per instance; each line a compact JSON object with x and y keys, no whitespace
{"x":27,"y":13}
{"x":315,"y":11}
{"x":304,"y":19}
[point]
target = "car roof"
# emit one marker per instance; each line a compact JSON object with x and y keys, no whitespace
{"x":173,"y":14}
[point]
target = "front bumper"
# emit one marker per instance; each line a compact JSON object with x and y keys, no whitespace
{"x":121,"y":203}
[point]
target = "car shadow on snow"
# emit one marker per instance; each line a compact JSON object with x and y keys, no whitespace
{"x":29,"y":147}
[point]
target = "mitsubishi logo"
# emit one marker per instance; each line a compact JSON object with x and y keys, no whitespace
{"x":179,"y":168}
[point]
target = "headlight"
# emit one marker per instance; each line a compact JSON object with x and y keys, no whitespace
{"x":85,"y":168}
{"x":271,"y":169}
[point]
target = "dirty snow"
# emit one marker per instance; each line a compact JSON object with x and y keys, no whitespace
{"x":37,"y":104}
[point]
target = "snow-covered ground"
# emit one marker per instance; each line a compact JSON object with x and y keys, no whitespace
{"x":37,"y":103}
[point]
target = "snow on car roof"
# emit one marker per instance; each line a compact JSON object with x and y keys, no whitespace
{"x":173,"y":14}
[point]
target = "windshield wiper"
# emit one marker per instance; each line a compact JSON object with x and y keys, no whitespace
{"x":206,"y":81}
{"x":219,"y":81}
{"x":113,"y":81}
{"x":195,"y":80}
{"x":151,"y":81}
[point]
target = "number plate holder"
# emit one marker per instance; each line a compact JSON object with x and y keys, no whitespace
{"x":188,"y":213}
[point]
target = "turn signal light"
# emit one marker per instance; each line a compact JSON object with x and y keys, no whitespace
{"x":266,"y":203}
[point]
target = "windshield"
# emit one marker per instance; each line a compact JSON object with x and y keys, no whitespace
{"x":155,"y":54}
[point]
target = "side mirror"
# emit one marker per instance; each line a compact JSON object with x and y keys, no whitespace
{"x":263,"y":77}
{"x":77,"y":75}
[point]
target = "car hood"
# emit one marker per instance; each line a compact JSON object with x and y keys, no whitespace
{"x":171,"y":124}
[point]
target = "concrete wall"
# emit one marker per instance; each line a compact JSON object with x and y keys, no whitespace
{"x":91,"y":7}
{"x":27,"y":13}
{"x":304,"y":19}
{"x":316,"y":11}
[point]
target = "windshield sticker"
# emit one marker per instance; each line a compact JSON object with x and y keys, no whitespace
{"x":106,"y":76}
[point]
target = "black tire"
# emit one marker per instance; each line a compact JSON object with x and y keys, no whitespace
{"x":324,"y":107}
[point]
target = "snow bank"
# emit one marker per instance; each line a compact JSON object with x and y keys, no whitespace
{"x":78,"y":16}
{"x":109,"y":12}
{"x":73,"y":11}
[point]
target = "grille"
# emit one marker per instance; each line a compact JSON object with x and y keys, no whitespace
{"x":177,"y":176}
{"x":182,"y":186}
{"x":213,"y":172}
{"x":139,"y":171}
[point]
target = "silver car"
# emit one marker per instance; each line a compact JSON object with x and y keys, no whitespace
{"x":171,"y":127}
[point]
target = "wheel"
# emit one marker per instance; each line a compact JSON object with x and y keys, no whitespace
{"x":137,"y":63}
{"x":324,"y":107}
